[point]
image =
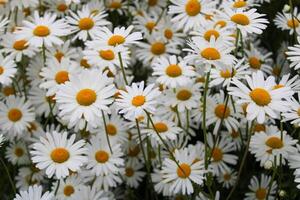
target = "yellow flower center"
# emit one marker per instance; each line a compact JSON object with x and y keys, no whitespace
{"x":152,"y":2}
{"x":221,"y":111}
{"x":227,"y":176}
{"x":115,"y":5}
{"x":168,"y":33}
{"x":158,"y":48}
{"x":184,"y":95}
{"x":240,"y":19}
{"x":274,"y":143}
{"x":7,"y":91}
{"x":138,"y":100}
{"x":14,"y":114}
{"x":173,"y":71}
{"x":261,"y":193}
{"x":239,"y":4}
{"x":60,"y":155}
{"x":150,"y":26}
{"x":235,"y":134}
{"x":209,"y":33}
{"x":86,"y":23}
{"x":292,"y":23}
{"x":41,"y":31}
{"x":101,"y":156}
{"x":184,"y":170}
{"x":278,"y":86}
{"x":19,"y":152}
{"x":20,"y":45}
{"x":210,"y":53}
{"x":227,"y":73}
{"x":217,"y":154}
{"x":129,"y":172}
{"x":68,"y":190}
{"x":115,"y":40}
{"x":61,"y":77}
{"x":1,"y":70}
{"x":260,"y":96}
{"x":193,"y":7}
{"x":221,"y":23}
{"x":259,"y":128}
{"x":107,"y":54}
{"x":84,"y":63}
{"x":111,"y":129}
{"x":298,"y":111}
{"x":86,"y":97}
{"x":254,"y":63}
{"x":59,"y":55}
{"x":62,"y":7}
{"x":161,"y":127}
{"x":133,"y":152}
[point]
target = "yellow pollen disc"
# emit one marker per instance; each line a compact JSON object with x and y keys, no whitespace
{"x":1,"y":70}
{"x":7,"y":91}
{"x":274,"y":143}
{"x":158,"y":48}
{"x":101,"y":156}
{"x":184,"y":95}
{"x":200,"y":79}
{"x":32,"y":127}
{"x":61,"y":77}
{"x":261,"y":193}
{"x":210,"y":53}
{"x":115,"y":5}
{"x":161,"y":127}
{"x":41,"y":31}
{"x":254,"y":63}
{"x":107,"y":54}
{"x":240,"y":19}
{"x":152,"y":2}
{"x":168,"y":33}
{"x":129,"y":172}
{"x":19,"y":152}
{"x":193,"y":7}
{"x":60,"y":155}
{"x":26,"y":11}
{"x":115,"y":40}
{"x":50,"y":99}
{"x":208,"y":17}
{"x":278,"y":86}
{"x":138,"y":100}
{"x":239,"y":4}
{"x":260,"y":96}
{"x":227,"y":177}
{"x":84,"y":63}
{"x":235,"y":134}
{"x":208,"y":34}
{"x":86,"y":23}
{"x":227,"y":73}
{"x":14,"y":114}
{"x":221,"y":111}
{"x":59,"y":55}
{"x":86,"y":97}
{"x":217,"y":154}
{"x":173,"y":71}
{"x":221,"y":23}
{"x":293,"y":23}
{"x":184,"y":170}
{"x":259,"y":128}
{"x":111,"y":129}
{"x":68,"y":190}
{"x":133,"y":152}
{"x":276,"y":71}
{"x":62,"y":7}
{"x":150,"y":26}
{"x":20,"y":45}
{"x":298,"y":111}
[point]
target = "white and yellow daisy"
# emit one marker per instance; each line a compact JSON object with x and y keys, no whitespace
{"x":228,"y":178}
{"x":34,"y":193}
{"x":293,"y":114}
{"x":28,"y":176}
{"x":285,"y":21}
{"x":133,"y":175}
{"x":43,"y":31}
{"x":293,"y":55}
{"x":59,"y":7}
{"x":116,"y":5}
{"x":62,"y":51}
{"x":146,"y":23}
{"x":68,"y":189}
{"x":58,"y":154}
{"x":17,"y":153}
{"x":8,"y":70}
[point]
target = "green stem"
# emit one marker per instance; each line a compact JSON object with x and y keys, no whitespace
{"x":122,"y":68}
{"x":8,"y":175}
{"x":204,"y":119}
{"x":106,"y":132}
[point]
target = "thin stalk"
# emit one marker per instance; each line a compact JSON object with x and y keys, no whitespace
{"x":106,"y":132}
{"x":58,"y":183}
{"x":8,"y":175}
{"x":272,"y":179}
{"x":122,"y":68}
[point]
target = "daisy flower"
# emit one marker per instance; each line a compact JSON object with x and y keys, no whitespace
{"x":119,"y":36}
{"x":228,"y":178}
{"x":116,"y":5}
{"x":137,"y":99}
{"x":34,"y":193}
{"x":28,"y":176}
{"x":172,"y":72}
{"x":15,"y":115}
{"x":146,"y":23}
{"x":62,"y":51}
{"x":68,"y":189}
{"x":292,"y":83}
{"x":17,"y":153}
{"x":260,"y":96}
{"x":285,"y":21}
{"x":43,"y":31}
{"x":190,"y":13}
{"x":8,"y":69}
{"x":133,"y":175}
{"x":272,"y":145}
{"x":55,"y":74}
{"x":293,"y":55}
{"x":101,"y":161}
{"x":16,"y":48}
{"x":247,"y":21}
{"x":59,"y":7}
{"x":213,"y":52}
{"x":58,"y":155}
{"x":86,"y":24}
{"x":83,"y":98}
{"x":293,"y":114}
{"x":259,"y":188}
{"x":183,"y":176}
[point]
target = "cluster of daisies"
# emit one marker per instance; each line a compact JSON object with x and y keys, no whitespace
{"x":115,"y":99}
